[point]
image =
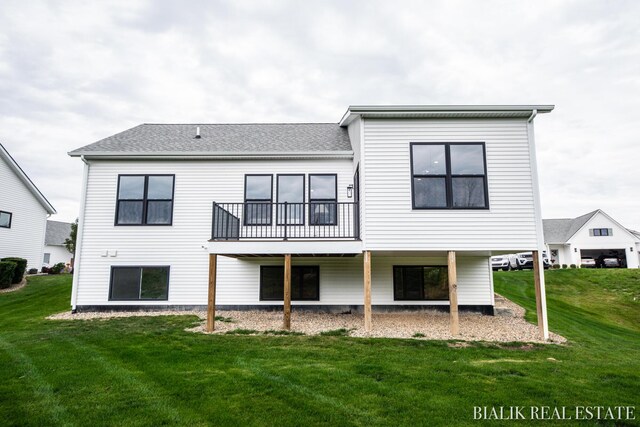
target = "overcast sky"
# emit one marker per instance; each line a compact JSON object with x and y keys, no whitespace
{"x":72,"y":73}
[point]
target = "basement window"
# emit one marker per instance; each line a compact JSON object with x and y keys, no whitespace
{"x":449,"y":176}
{"x":305,"y":283}
{"x":139,"y":283}
{"x":420,"y":283}
{"x":5,"y":219}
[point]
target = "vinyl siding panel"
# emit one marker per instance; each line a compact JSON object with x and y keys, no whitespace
{"x":182,"y":245}
{"x":392,"y":224}
{"x":25,"y":238}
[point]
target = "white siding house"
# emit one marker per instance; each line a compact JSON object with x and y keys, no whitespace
{"x":595,"y":235}
{"x":54,"y":249}
{"x":169,"y":211}
{"x":23,"y":213}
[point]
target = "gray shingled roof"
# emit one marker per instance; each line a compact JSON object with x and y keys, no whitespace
{"x":561,"y":230}
{"x":223,"y":138}
{"x":56,"y":233}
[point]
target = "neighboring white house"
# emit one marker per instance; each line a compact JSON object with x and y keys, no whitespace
{"x":396,"y":188}
{"x":23,"y":213}
{"x":594,"y":235}
{"x":54,"y":248}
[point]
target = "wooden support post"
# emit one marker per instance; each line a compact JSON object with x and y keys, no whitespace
{"x":453,"y":293}
{"x":287,"y":292}
{"x":367,"y":291}
{"x":211,"y":302}
{"x":537,"y":280}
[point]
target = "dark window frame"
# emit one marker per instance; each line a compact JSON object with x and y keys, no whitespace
{"x":448,"y":177}
{"x":395,"y":267}
{"x":10,"y":219}
{"x":304,"y":179}
{"x":317,"y":284}
{"x":319,"y":201}
{"x":258,"y":201}
{"x":601,"y":232}
{"x":141,"y":267}
{"x":145,"y":201}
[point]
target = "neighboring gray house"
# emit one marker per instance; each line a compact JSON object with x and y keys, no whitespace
{"x":594,"y":235}
{"x":54,"y":249}
{"x":23,"y":213}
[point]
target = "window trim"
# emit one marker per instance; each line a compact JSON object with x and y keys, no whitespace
{"x":278,"y":198}
{"x":448,"y":177}
{"x":422,"y":287}
{"x":145,"y":200}
{"x":335,"y":201}
{"x":141,"y":267}
{"x":599,"y":230}
{"x":317,"y":287}
{"x":10,"y":219}
{"x":270,"y":201}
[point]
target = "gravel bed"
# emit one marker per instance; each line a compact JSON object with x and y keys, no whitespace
{"x":508,"y":325}
{"x":13,"y":288}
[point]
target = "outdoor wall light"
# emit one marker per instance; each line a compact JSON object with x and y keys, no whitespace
{"x":575,"y":249}
{"x":350,"y":191}
{"x":631,"y":249}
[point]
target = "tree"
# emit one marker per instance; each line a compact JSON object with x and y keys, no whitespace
{"x":70,"y":242}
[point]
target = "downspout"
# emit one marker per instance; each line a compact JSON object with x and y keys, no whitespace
{"x":79,"y":236}
{"x":538,"y":220}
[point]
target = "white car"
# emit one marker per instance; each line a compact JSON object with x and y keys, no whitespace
{"x":504,"y":262}
{"x":525,"y":260}
{"x":587,"y":262}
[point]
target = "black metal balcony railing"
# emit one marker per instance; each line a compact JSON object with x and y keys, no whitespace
{"x":266,"y":220}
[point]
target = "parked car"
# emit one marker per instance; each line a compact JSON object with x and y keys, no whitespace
{"x":611,"y":262}
{"x":587,"y":262}
{"x":504,"y":262}
{"x":525,"y":260}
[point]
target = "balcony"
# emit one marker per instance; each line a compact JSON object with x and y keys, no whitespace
{"x":318,"y":220}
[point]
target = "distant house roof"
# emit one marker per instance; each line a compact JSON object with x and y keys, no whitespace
{"x":562,"y":229}
{"x":13,"y":165}
{"x":56,"y":233}
{"x":181,"y":140}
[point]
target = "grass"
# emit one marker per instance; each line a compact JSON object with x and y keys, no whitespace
{"x":148,"y":371}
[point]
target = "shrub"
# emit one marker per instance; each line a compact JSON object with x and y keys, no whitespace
{"x":45,"y":270}
{"x":555,"y":266}
{"x":57,"y":269}
{"x":32,"y":271}
{"x":572,"y":266}
{"x":21,"y":267}
{"x":7,"y":270}
{"x":564,"y":265}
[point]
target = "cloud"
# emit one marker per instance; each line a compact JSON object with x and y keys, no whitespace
{"x":72,"y":73}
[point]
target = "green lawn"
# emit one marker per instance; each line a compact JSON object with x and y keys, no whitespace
{"x":148,"y":371}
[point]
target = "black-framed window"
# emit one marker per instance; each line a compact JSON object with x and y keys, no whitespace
{"x":290,"y":189}
{"x":139,"y":283}
{"x":5,"y":219}
{"x":305,"y":283}
{"x":323,"y":199}
{"x":145,"y":200}
{"x":258,"y":195}
{"x":449,"y":176}
{"x":601,"y":232}
{"x":420,"y":283}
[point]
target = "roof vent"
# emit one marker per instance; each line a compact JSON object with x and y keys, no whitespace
{"x":197,"y":131}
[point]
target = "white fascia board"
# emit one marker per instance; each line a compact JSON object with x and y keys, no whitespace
{"x":442,"y":111}
{"x":107,"y":155}
{"x":4,"y":154}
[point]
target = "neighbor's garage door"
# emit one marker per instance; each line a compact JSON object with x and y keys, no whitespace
{"x":601,"y":254}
